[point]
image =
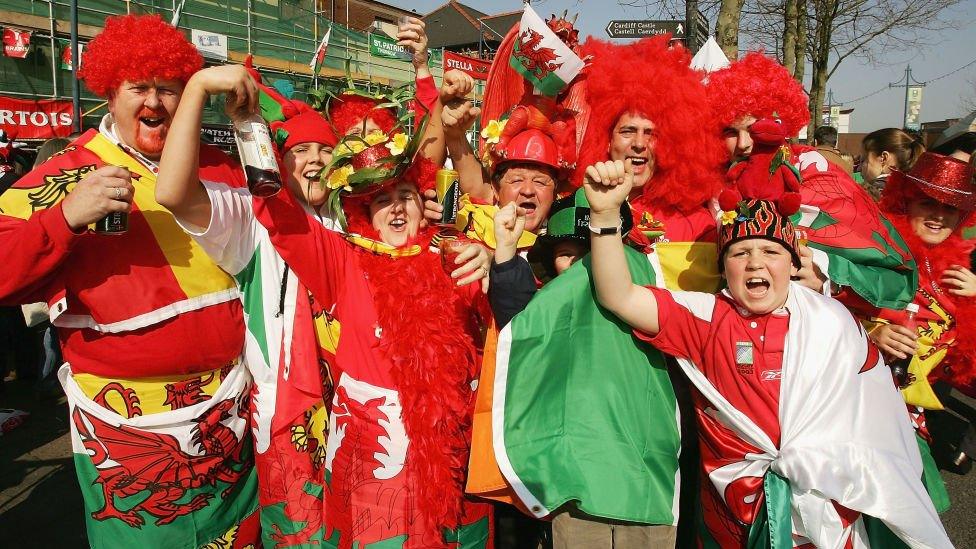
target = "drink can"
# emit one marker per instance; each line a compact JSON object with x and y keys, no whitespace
{"x":115,"y":222}
{"x":448,"y":187}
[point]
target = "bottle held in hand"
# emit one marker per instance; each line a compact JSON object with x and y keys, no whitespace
{"x":115,"y":222}
{"x":899,"y":366}
{"x":257,"y":156}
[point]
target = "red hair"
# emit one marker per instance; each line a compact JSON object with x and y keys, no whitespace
{"x":422,"y":172}
{"x":137,"y":47}
{"x":659,"y":85}
{"x":760,"y":87}
{"x":349,"y":110}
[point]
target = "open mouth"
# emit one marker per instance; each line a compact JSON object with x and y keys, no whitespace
{"x":152,"y":121}
{"x":312,"y":175}
{"x":934,"y":226}
{"x":398,"y":224}
{"x":757,"y":287}
{"x":528,"y":206}
{"x":637,"y":163}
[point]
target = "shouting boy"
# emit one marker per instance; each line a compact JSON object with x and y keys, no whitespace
{"x":802,"y":432}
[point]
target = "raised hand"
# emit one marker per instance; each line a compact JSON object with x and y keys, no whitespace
{"x":607,"y":186}
{"x":106,"y":190}
{"x":509,"y":223}
{"x":412,"y":34}
{"x":240,"y":89}
{"x":458,"y":116}
{"x":456,"y":85}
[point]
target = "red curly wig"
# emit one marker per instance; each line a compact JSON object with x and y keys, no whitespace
{"x":760,"y":87}
{"x":349,"y":110}
{"x":137,"y":47}
{"x":422,"y":172}
{"x":654,"y":80}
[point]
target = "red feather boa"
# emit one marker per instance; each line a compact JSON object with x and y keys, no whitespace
{"x":428,"y":328}
{"x":959,"y":366}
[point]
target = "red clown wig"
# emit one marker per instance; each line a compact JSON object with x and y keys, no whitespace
{"x":137,"y":47}
{"x":349,"y":110}
{"x":654,"y":80}
{"x":760,"y":87}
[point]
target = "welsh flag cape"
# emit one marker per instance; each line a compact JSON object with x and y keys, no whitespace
{"x":181,"y":478}
{"x":582,"y":411}
{"x":852,"y":241}
{"x":845,"y":437}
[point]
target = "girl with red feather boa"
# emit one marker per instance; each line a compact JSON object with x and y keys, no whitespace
{"x":406,"y":363}
{"x":929,"y":205}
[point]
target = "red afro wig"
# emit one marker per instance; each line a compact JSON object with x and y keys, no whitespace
{"x":349,"y":110}
{"x":659,"y":85}
{"x":422,"y":172}
{"x":760,"y":87}
{"x":137,"y":47}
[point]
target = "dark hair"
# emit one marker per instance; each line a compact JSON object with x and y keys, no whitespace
{"x":825,"y":135}
{"x":48,"y":148}
{"x":905,"y":148}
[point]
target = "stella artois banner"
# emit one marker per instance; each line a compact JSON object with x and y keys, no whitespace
{"x":476,"y":68}
{"x":41,"y":119}
{"x":16,"y":42}
{"x":541,"y":57}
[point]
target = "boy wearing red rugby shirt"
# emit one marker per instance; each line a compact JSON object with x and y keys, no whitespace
{"x":785,"y":381}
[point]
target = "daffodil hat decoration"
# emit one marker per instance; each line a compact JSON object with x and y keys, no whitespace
{"x":363,"y":165}
{"x":536,"y":131}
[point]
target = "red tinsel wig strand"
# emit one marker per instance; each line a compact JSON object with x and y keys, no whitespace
{"x":349,"y":110}
{"x":137,"y":47}
{"x":760,"y":87}
{"x":654,"y":80}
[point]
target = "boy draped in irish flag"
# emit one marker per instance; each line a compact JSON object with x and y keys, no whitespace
{"x":802,"y":432}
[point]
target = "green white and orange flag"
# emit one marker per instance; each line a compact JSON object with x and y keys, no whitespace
{"x":541,"y":57}
{"x":319,"y":58}
{"x":574,"y":391}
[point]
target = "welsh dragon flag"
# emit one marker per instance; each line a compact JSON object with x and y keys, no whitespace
{"x":850,"y":237}
{"x":582,"y":411}
{"x":319,"y":58}
{"x":541,"y":57}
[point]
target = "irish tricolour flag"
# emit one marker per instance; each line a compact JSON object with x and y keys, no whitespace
{"x":541,"y":57}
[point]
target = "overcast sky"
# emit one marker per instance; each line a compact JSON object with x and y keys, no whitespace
{"x":941,"y":99}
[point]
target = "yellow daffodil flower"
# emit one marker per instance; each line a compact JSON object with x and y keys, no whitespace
{"x":398,"y":145}
{"x":375,"y":138}
{"x":352,"y":146}
{"x":339,"y":177}
{"x":493,"y":131}
{"x":728,"y":217}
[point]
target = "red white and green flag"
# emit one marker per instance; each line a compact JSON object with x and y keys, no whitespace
{"x":319,"y":58}
{"x":541,"y":57}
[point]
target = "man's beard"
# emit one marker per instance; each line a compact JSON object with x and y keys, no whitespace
{"x":150,"y":141}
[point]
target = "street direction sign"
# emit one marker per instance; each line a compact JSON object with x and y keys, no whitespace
{"x":640,"y":28}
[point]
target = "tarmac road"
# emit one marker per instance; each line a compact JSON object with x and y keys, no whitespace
{"x":41,"y":505}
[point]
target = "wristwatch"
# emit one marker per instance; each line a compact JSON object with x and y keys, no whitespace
{"x":604,"y":230}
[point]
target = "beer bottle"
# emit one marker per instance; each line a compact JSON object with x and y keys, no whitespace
{"x":899,"y":366}
{"x":257,"y":156}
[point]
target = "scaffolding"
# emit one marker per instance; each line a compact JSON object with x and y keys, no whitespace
{"x":282,"y":35}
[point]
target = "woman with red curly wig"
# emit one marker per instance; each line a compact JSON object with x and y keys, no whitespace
{"x":930,"y":205}
{"x":405,"y":365}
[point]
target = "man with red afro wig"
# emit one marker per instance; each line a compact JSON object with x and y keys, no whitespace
{"x":750,"y":89}
{"x":151,"y":329}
